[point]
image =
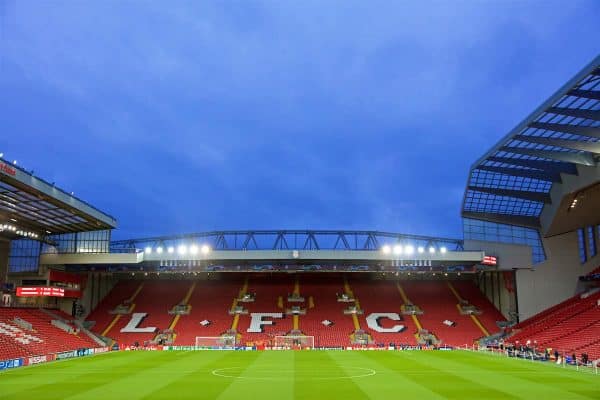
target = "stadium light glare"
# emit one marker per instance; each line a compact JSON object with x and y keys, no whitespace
{"x":159,"y":250}
{"x":398,"y":249}
{"x":421,"y":249}
{"x":148,"y":250}
{"x":409,"y":249}
{"x":193,"y":249}
{"x":171,"y":250}
{"x":386,"y":249}
{"x":205,"y":249}
{"x":182,"y":249}
{"x":432,"y":250}
{"x":443,"y":250}
{"x":1,"y":155}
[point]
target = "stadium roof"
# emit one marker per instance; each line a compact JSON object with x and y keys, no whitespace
{"x":291,"y":240}
{"x":511,"y":183}
{"x":32,"y":207}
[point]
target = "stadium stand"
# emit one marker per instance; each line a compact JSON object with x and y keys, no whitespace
{"x":155,"y":298}
{"x":43,"y":337}
{"x":210,"y":302}
{"x":121,"y":293}
{"x":338,"y":327}
{"x":268,"y":289}
{"x":570,"y":326}
{"x":378,"y":296}
{"x":439,"y":304}
{"x":489,"y":313}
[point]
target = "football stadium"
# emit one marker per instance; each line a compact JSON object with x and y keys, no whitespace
{"x":510,"y":310}
{"x":167,"y":302}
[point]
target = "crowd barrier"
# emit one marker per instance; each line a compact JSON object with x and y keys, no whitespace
{"x":562,"y":361}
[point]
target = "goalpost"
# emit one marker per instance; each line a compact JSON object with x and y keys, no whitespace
{"x":227,"y":342}
{"x":294,"y":341}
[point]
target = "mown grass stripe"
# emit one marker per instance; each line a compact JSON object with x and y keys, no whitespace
{"x":284,"y":375}
{"x":323,"y":365}
{"x":471,"y":368}
{"x":387,"y":383}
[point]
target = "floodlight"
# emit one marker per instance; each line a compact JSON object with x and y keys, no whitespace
{"x":432,"y":250}
{"x":148,"y":250}
{"x":397,"y":249}
{"x":159,"y":250}
{"x":182,"y":249}
{"x":171,"y":250}
{"x":443,"y":250}
{"x":193,"y":249}
{"x":409,"y":249}
{"x":386,"y":249}
{"x":421,"y":249}
{"x":205,"y":249}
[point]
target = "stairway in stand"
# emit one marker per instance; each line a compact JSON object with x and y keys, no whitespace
{"x":210,"y":301}
{"x":323,"y":290}
{"x":383,"y":296}
{"x":438,"y":304}
{"x":267,"y":289}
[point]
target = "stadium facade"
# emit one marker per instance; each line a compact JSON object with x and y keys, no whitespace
{"x":531,"y":217}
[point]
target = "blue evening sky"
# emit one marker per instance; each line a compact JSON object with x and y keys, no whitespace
{"x":179,"y":116}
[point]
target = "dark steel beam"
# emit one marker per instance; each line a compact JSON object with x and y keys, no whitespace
{"x":294,"y":239}
{"x":518,"y":220}
{"x":590,"y":147}
{"x":548,"y":176}
{"x":556,"y":167}
{"x":587,"y":94}
{"x":564,"y":156}
{"x":539,"y":197}
{"x":575,"y":112}
{"x":589,"y":131}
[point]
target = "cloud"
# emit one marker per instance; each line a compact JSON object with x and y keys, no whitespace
{"x":278,"y":114}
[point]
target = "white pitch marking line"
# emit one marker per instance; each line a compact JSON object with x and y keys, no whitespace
{"x":219,"y":372}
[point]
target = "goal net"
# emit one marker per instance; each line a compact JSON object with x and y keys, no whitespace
{"x":215,"y":341}
{"x":295,"y":341}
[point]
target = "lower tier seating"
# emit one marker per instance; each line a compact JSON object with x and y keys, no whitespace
{"x":321,"y":316}
{"x":43,"y":338}
{"x":573,"y":326}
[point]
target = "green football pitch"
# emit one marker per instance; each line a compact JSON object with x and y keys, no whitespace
{"x":297,"y":375}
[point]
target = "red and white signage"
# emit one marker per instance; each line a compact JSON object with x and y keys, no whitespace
{"x":490,"y":260}
{"x":36,"y":291}
{"x":37,"y":360}
{"x":7,"y":169}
